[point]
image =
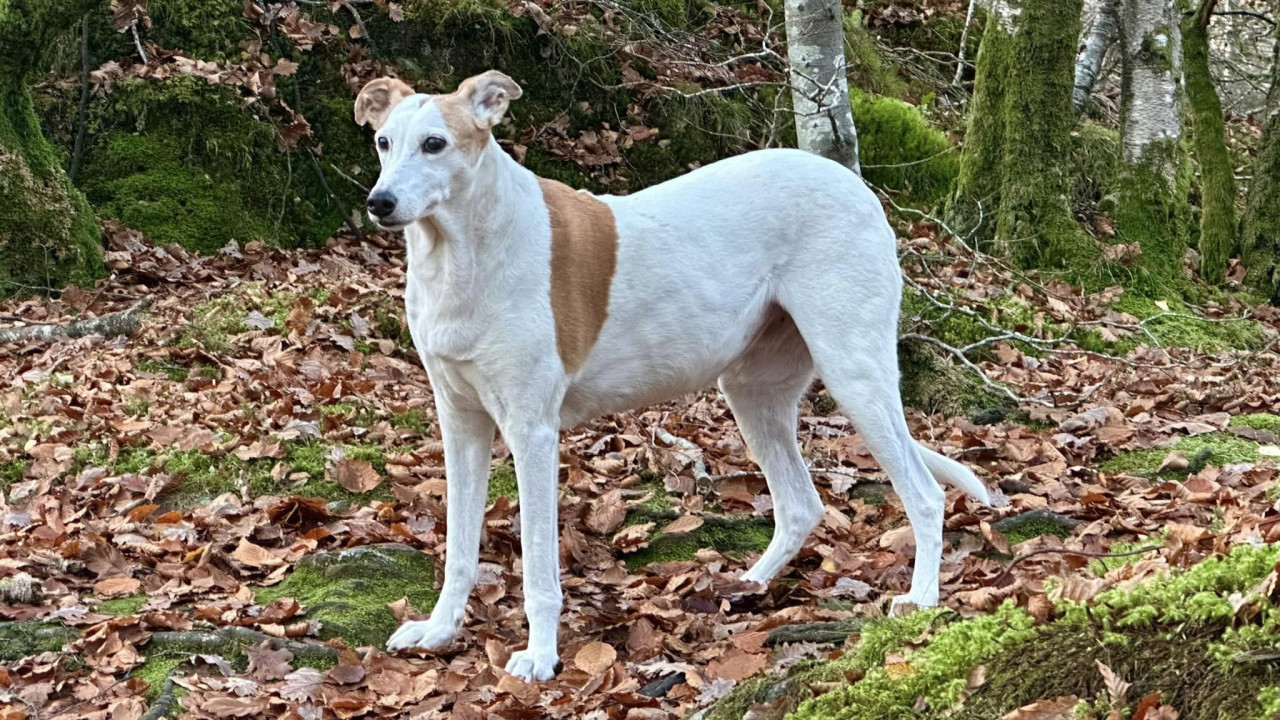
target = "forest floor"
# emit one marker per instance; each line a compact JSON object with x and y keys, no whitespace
{"x":176,"y":504}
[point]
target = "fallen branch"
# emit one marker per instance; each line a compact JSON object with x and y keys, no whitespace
{"x":125,"y":322}
{"x":166,"y":702}
{"x":821,"y":633}
{"x":215,"y":641}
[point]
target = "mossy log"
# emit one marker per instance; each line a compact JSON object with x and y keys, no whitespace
{"x":48,"y":235}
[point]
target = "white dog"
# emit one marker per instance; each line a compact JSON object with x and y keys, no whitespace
{"x":536,"y":307}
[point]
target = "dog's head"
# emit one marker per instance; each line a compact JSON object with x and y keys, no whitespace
{"x":428,"y":144}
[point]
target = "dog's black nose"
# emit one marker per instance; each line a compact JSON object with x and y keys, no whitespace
{"x":382,"y":204}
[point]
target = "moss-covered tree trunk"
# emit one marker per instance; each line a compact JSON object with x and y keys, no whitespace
{"x":1260,"y":228}
{"x":1149,"y":209}
{"x":47,"y":233}
{"x":1217,"y":176}
{"x":1019,"y":133}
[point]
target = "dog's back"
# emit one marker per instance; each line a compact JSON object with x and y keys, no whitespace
{"x":702,"y":260}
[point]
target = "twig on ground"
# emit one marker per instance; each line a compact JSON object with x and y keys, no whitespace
{"x":690,"y":453}
{"x":1064,"y":551}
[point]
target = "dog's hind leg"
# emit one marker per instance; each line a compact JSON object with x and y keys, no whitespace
{"x":847,"y":312}
{"x":763,"y":387}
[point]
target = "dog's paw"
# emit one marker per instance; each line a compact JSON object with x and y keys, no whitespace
{"x":423,"y":634}
{"x":906,"y":604}
{"x":534,"y":665}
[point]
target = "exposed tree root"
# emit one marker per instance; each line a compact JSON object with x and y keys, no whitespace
{"x":125,"y":322}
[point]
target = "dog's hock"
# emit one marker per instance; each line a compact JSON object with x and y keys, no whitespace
{"x":378,"y":98}
{"x":490,"y":94}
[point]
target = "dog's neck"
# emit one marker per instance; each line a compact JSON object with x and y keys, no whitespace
{"x":469,"y":240}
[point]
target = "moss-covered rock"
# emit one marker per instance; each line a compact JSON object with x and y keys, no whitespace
{"x":1199,"y":450}
{"x":901,"y":151}
{"x":348,"y":591}
{"x":1172,"y":635}
{"x":729,"y":535}
{"x":48,"y":235}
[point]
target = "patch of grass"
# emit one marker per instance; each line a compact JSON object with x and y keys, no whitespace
{"x":411,"y":420}
{"x":214,"y":322}
{"x":166,"y":367}
{"x":129,"y":605}
{"x":11,"y":472}
{"x":502,"y":482}
{"x":1179,"y":327}
{"x":1257,"y":421}
{"x":1209,"y":449}
{"x":313,"y":457}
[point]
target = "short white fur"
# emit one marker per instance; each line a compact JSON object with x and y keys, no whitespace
{"x":754,"y":272}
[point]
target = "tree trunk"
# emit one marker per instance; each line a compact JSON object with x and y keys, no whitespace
{"x":1149,"y":209}
{"x":1217,"y":174}
{"x":47,"y":232}
{"x":1019,"y":134}
{"x":819,"y":80}
{"x":1260,"y":228}
{"x":1098,"y":37}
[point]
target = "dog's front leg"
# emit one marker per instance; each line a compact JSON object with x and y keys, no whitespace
{"x":468,"y":445}
{"x":535,"y":446}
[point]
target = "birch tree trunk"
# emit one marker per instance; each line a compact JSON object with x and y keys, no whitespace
{"x":1099,"y":35}
{"x":47,"y":232}
{"x":1260,"y":228}
{"x":819,"y":80}
{"x":1149,"y":210}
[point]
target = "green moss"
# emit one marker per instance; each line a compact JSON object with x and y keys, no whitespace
{"x":1012,"y":169}
{"x":1168,"y":634}
{"x":900,"y":151}
{"x":932,"y":382}
{"x":1260,"y":226}
{"x":502,"y":482}
{"x":157,"y":669}
{"x":411,"y":420}
{"x":164,"y":366}
{"x":1179,"y":327}
{"x":1216,"y":449}
{"x":1151,"y":212}
{"x":312,"y":458}
{"x":1268,"y":704}
{"x":1217,"y":171}
{"x":186,"y":162}
{"x":1257,"y":421}
{"x":129,"y":605}
{"x":207,"y":29}
{"x":868,"y":69}
{"x":733,"y":537}
{"x":213,"y":322}
{"x":32,"y":637}
{"x":1093,"y":163}
{"x":348,"y":591}
{"x":48,"y":236}
{"x":11,"y":472}
{"x":1023,"y":531}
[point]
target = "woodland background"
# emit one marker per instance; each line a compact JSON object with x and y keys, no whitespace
{"x":221,"y":472}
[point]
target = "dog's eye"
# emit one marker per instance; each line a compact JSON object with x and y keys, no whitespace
{"x":384,"y":144}
{"x":433,"y":144}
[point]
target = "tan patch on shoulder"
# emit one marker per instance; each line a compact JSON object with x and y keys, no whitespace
{"x":470,"y":138}
{"x":584,"y":256}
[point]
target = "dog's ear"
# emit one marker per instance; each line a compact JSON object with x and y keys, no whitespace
{"x":489,"y":94}
{"x":378,"y":98}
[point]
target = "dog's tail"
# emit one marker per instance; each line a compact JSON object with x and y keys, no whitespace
{"x":949,"y":472}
